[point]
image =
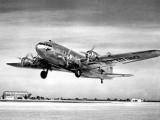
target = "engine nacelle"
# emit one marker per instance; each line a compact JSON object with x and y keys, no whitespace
{"x":109,"y":54}
{"x":91,"y":55}
{"x":26,"y":62}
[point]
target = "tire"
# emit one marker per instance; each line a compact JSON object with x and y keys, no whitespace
{"x":43,"y":74}
{"x":78,"y":73}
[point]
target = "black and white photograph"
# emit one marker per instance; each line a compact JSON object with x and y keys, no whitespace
{"x":79,"y":60}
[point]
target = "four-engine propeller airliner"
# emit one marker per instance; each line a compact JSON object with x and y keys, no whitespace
{"x":52,"y":56}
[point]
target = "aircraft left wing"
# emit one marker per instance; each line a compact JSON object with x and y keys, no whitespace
{"x":129,"y":57}
{"x":19,"y":65}
{"x":97,"y":68}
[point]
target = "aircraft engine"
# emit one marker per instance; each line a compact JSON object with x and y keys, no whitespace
{"x":91,"y":55}
{"x":26,"y":61}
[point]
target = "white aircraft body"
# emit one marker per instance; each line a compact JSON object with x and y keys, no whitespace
{"x":52,"y":56}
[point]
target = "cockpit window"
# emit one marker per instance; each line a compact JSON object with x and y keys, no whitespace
{"x":46,"y":44}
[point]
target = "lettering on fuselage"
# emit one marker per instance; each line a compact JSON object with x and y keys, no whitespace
{"x":123,"y":59}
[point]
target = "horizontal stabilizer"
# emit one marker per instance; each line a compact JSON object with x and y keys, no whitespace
{"x":113,"y":75}
{"x":52,"y":67}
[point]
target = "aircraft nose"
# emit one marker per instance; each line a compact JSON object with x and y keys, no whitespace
{"x":39,"y":48}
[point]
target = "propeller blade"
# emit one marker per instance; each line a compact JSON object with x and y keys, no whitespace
{"x":93,"y":48}
{"x":69,"y":51}
{"x":87,"y":61}
{"x":68,"y":55}
{"x":82,"y":52}
{"x":27,"y":56}
{"x":19,"y":58}
{"x":66,"y":58}
{"x":32,"y":55}
{"x":22,"y":60}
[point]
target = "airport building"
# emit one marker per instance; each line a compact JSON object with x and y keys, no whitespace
{"x":136,"y":100}
{"x":14,"y":95}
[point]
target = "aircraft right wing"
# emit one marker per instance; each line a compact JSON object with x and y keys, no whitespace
{"x":37,"y":64}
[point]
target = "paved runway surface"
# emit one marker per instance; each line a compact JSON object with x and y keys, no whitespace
{"x":79,"y":111}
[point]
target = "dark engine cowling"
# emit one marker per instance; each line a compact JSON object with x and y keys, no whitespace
{"x":26,"y":62}
{"x":91,"y":55}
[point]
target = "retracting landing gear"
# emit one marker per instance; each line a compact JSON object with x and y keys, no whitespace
{"x":101,"y":81}
{"x":78,"y":73}
{"x":44,"y":74}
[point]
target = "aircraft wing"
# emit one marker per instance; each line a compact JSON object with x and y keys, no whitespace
{"x":20,"y":65}
{"x":109,"y":61}
{"x":129,"y":57}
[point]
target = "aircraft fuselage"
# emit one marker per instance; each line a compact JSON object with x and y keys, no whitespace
{"x":56,"y":54}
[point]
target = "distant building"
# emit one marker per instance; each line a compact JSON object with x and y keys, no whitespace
{"x":14,"y":95}
{"x":136,"y":100}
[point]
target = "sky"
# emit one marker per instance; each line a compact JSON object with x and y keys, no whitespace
{"x":116,"y":26}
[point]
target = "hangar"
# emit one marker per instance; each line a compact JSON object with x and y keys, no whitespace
{"x":14,"y":95}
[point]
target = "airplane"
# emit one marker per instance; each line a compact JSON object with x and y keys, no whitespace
{"x":55,"y":57}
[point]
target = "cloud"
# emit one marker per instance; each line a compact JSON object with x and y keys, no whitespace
{"x":105,"y":11}
{"x":115,"y":26}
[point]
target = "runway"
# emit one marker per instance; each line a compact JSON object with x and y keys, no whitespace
{"x":79,"y":111}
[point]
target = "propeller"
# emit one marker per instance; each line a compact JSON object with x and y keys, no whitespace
{"x":67,"y":57}
{"x":26,"y":59}
{"x":90,"y":54}
{"x":34,"y":58}
{"x":23,"y":59}
{"x":32,"y":55}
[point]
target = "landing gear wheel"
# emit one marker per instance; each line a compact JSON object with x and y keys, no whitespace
{"x":101,"y":81}
{"x":44,"y":74}
{"x":78,"y":73}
